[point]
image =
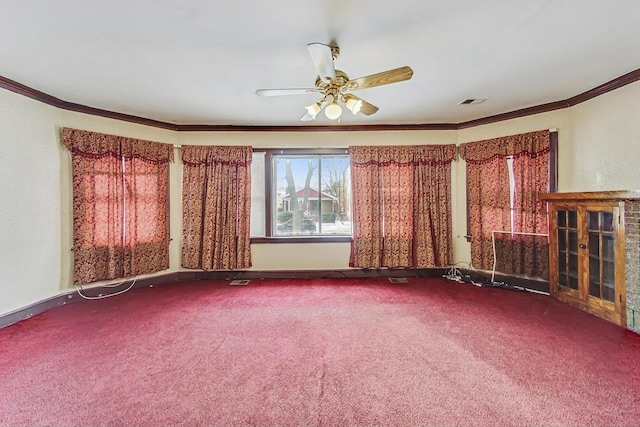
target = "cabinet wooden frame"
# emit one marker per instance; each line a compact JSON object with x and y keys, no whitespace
{"x":614,"y":311}
{"x":612,"y":202}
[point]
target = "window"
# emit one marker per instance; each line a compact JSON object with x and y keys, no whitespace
{"x":304,"y":193}
{"x":134,"y":210}
{"x":504,"y":179}
{"x":552,"y":185}
{"x":120,"y":205}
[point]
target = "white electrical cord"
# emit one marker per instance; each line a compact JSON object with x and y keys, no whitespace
{"x":453,"y":274}
{"x":101,"y":296}
{"x":113,"y":285}
{"x":456,"y":275}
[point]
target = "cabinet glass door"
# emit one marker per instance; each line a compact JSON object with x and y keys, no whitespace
{"x":601,"y":255}
{"x":568,"y":275}
{"x":587,"y":256}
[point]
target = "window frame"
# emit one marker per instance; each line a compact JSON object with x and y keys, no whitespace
{"x":270,"y":236}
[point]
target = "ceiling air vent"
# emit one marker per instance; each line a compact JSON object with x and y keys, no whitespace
{"x":472,"y":101}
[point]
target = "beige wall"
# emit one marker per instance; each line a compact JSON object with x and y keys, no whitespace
{"x":599,"y":141}
{"x":601,"y":148}
{"x":30,"y":234}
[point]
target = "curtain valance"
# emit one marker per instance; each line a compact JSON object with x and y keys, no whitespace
{"x":402,"y":155}
{"x":94,"y":144}
{"x":229,"y":155}
{"x":532,"y":144}
{"x":434,"y":154}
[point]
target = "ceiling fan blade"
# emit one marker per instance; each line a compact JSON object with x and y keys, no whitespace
{"x":379,"y":79}
{"x":323,"y":60}
{"x":307,"y":118}
{"x":366,"y":108}
{"x":281,"y":92}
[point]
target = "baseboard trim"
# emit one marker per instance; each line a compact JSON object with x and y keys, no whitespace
{"x":35,"y":309}
{"x":71,"y":296}
{"x":311,"y":274}
{"x":539,"y":285}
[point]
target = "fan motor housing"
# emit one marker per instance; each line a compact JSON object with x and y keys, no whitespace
{"x":341,"y":79}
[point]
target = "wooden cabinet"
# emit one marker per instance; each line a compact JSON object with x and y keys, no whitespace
{"x":587,"y":251}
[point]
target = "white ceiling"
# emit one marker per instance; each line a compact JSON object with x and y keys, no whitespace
{"x":200,"y":61}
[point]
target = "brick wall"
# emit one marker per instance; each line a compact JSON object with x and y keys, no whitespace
{"x":632,"y":261}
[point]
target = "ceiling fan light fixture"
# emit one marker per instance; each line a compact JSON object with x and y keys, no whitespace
{"x":332,"y":85}
{"x":333,"y":111}
{"x":314,"y":109}
{"x":354,"y":105}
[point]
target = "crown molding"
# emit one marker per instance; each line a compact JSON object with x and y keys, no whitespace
{"x":529,"y":111}
{"x":45,"y":98}
{"x":329,"y":128}
{"x":616,"y":83}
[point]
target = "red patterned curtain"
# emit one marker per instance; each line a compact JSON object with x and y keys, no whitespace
{"x":489,"y":202}
{"x":120,"y":205}
{"x":488,"y":197}
{"x":392,"y":224}
{"x":433,"y":244}
{"x":531,"y":172}
{"x":368,"y":204}
{"x":216,"y":202}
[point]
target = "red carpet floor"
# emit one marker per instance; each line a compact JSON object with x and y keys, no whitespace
{"x":356,"y":352}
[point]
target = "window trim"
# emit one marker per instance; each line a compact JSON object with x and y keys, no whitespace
{"x":269,"y":190}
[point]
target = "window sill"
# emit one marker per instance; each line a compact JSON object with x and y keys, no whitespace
{"x":302,"y":239}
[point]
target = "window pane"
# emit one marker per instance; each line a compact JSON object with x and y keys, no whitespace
{"x":258,"y":205}
{"x":312,"y":195}
{"x":562,"y":268}
{"x":609,"y":292}
{"x":608,"y":271}
{"x":594,"y":277}
{"x":145,"y":204}
{"x":562,"y":240}
{"x":608,"y":250}
{"x":562,"y":218}
{"x":573,"y":219}
{"x":594,"y":245}
{"x":593,"y":221}
{"x":335,"y":174}
{"x":573,"y":241}
{"x":607,"y":221}
{"x":573,"y":281}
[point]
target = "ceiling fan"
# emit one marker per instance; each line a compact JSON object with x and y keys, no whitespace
{"x":335,"y":86}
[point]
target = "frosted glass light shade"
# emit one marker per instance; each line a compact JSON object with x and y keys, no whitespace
{"x":333,"y":111}
{"x":314,"y":109}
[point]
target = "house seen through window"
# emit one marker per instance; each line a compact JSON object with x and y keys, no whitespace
{"x":306,"y":194}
